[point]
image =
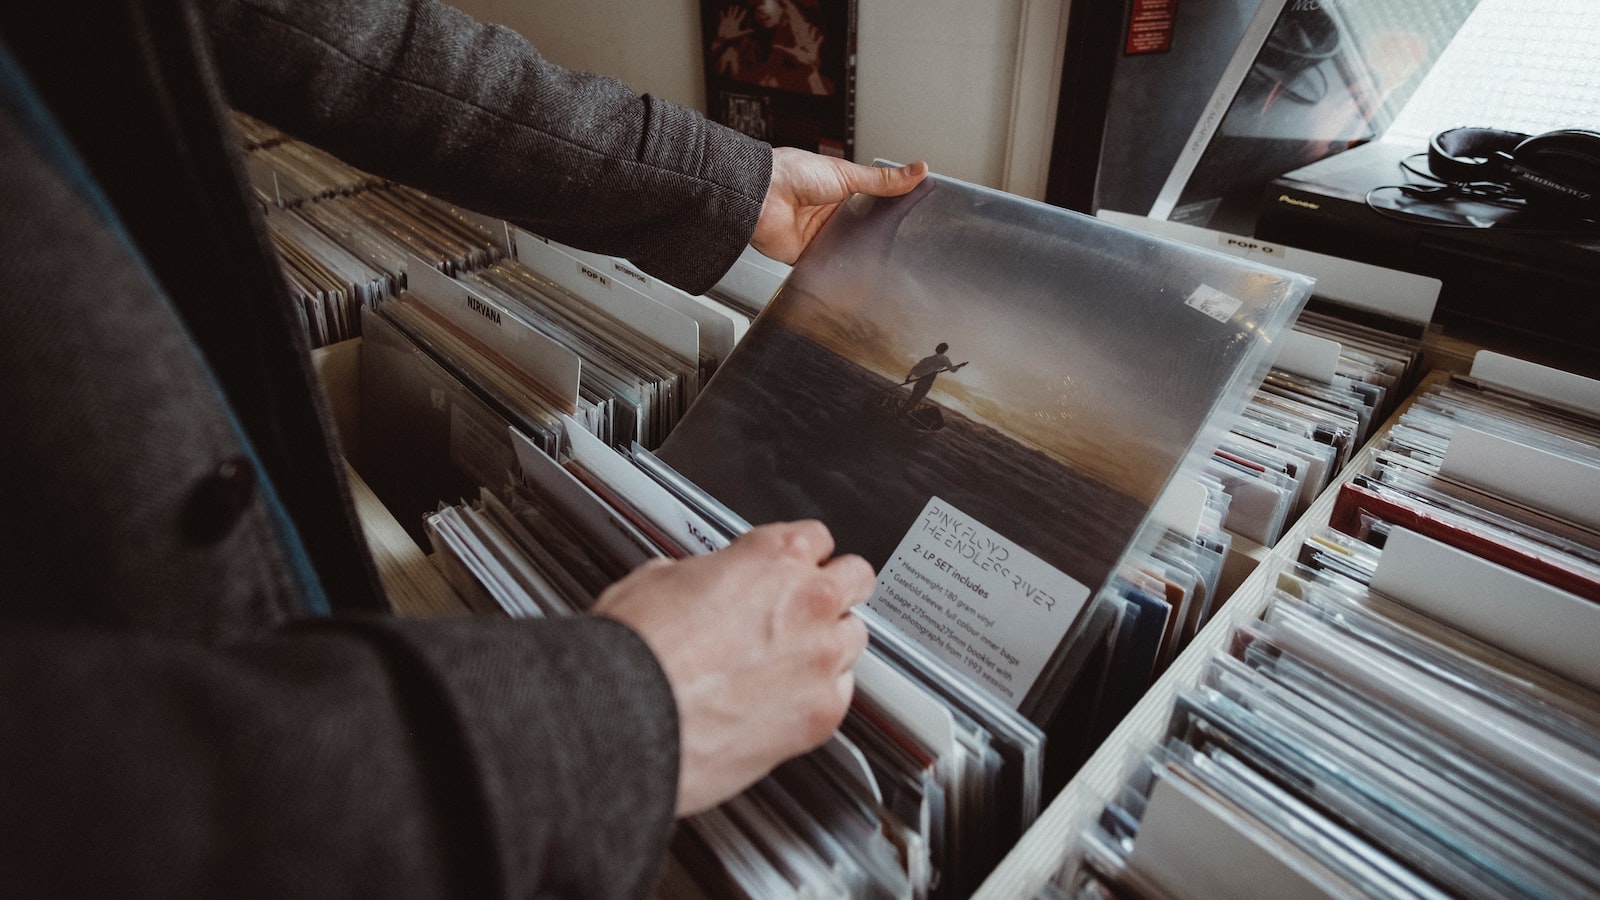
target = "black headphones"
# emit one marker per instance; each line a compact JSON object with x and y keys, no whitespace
{"x":1557,"y":170}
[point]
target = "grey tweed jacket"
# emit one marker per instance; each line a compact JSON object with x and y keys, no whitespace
{"x":176,"y":717}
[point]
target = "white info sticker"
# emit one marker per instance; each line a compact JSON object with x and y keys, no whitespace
{"x":1217,"y":304}
{"x":978,"y":601}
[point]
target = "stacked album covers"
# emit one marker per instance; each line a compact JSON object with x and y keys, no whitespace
{"x":454,"y":370}
{"x":349,"y":251}
{"x":1490,"y":472}
{"x":345,"y":238}
{"x":1310,"y":415}
{"x":1300,"y":430}
{"x":783,"y":71}
{"x":1148,"y":613}
{"x":641,"y":386}
{"x":285,"y":172}
{"x":1416,"y":712}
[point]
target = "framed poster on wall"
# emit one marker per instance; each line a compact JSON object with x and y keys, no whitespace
{"x":783,"y":71}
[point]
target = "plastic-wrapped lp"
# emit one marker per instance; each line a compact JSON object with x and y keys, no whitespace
{"x":984,"y":396}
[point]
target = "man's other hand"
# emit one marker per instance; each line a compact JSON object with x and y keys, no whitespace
{"x":758,"y":642}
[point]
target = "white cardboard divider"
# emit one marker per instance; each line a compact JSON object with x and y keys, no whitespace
{"x":1558,"y":484}
{"x":1525,"y":377}
{"x":1304,"y":354}
{"x":754,"y":278}
{"x":1546,"y":626}
{"x":1195,"y":845}
{"x":1182,"y":506}
{"x":1395,"y":294}
{"x":720,"y":327}
{"x":595,"y":517}
{"x":669,"y":328}
{"x":555,"y":367}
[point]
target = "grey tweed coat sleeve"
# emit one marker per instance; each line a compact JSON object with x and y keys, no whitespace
{"x":172,"y":724}
{"x":400,"y":89}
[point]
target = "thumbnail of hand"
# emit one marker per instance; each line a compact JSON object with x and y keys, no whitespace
{"x":806,"y":190}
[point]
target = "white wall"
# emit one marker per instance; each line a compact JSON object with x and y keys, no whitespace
{"x":959,"y":83}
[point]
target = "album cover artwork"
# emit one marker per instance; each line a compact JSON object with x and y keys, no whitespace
{"x":983,"y":396}
{"x":783,"y":71}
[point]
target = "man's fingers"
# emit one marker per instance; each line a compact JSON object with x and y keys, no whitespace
{"x":883,"y":181}
{"x":855,"y":578}
{"x":856,"y":639}
{"x":807,"y":540}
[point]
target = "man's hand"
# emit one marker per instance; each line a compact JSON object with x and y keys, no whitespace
{"x":758,"y":642}
{"x":808,"y":187}
{"x":730,"y":28}
{"x":730,"y":25}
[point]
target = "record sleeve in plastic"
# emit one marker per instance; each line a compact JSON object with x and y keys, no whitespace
{"x":984,"y":396}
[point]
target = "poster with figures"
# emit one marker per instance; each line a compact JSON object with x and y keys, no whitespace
{"x":783,"y":71}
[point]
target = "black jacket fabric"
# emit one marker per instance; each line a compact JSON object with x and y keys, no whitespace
{"x":176,"y":717}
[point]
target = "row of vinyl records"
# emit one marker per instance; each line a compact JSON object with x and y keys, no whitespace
{"x":1406,"y":703}
{"x":933,"y":778}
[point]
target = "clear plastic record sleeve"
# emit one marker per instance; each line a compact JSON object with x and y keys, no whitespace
{"x":725,"y":520}
{"x":984,"y":396}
